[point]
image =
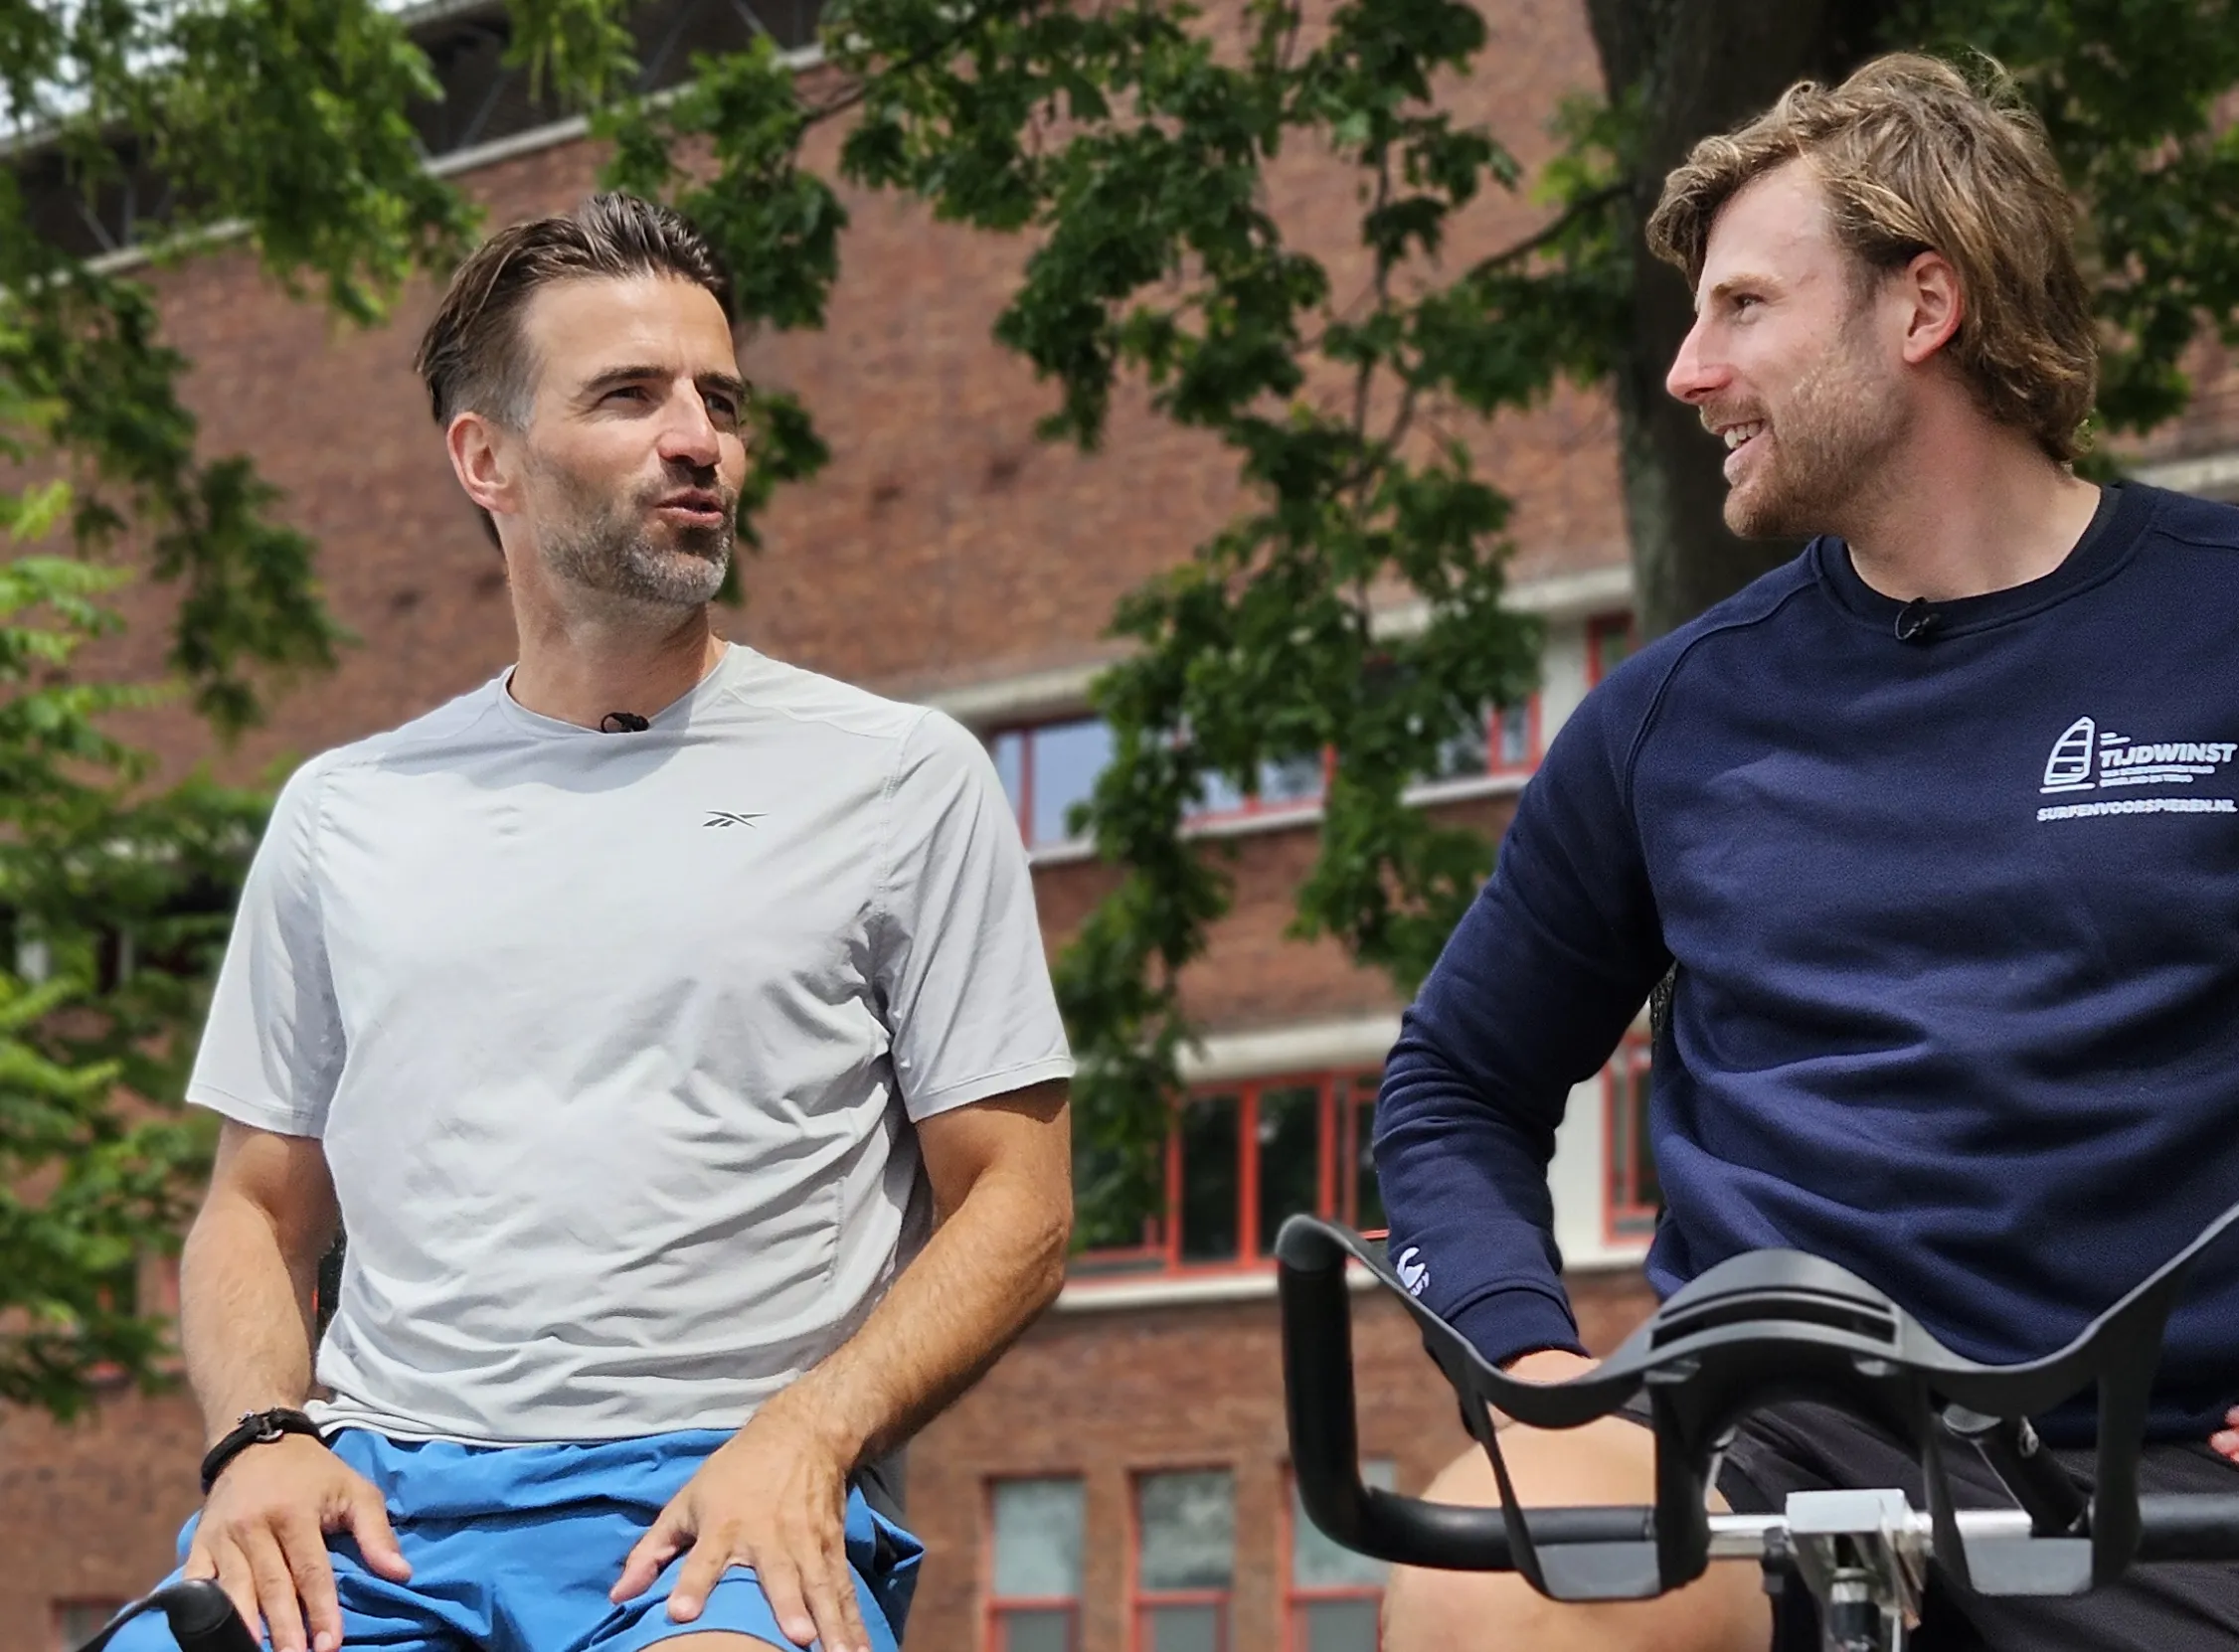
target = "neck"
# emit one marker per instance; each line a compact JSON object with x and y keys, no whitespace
{"x":578,"y":666}
{"x":1980,"y":508}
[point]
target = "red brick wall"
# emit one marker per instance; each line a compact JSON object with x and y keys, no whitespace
{"x":1107,"y":1395}
{"x":90,"y":1510}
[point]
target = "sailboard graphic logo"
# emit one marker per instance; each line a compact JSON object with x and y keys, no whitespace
{"x":2087,"y":757}
{"x":2069,"y":766}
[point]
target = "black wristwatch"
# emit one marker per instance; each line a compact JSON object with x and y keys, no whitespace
{"x":257,"y":1429}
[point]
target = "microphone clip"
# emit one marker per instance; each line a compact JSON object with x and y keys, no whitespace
{"x":1917,"y":621}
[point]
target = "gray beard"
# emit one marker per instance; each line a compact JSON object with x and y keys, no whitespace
{"x":615,"y":557}
{"x":604,"y":546}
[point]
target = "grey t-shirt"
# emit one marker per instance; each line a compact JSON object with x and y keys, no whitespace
{"x":615,"y":1042}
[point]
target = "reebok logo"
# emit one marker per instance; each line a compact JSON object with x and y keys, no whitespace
{"x":2088,"y":758}
{"x":723,"y":817}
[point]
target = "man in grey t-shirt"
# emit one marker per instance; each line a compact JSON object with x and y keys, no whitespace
{"x":668,"y":1028}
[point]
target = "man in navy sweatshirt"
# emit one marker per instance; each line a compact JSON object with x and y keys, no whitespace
{"x":1934,"y":830}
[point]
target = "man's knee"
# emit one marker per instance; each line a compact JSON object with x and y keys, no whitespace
{"x":1610,"y":1461}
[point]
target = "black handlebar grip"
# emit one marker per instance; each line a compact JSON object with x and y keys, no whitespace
{"x":1305,"y":1247}
{"x":1317,"y":1380}
{"x":202,"y":1619}
{"x":2197,"y":1526}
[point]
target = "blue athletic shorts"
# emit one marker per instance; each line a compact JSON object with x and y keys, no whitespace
{"x":513,"y":1550}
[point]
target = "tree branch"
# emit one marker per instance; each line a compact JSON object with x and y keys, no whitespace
{"x":1584,"y":206}
{"x":941,"y":48}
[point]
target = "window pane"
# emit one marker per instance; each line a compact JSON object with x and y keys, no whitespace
{"x":1035,"y":1632}
{"x":1097,"y":1229}
{"x":1461,"y":754}
{"x":1645,"y":1188}
{"x":1512,"y":731}
{"x":1067,"y":757}
{"x":1635,"y":1195}
{"x":1217,"y":794}
{"x":1611,"y":641}
{"x":1186,"y":1525}
{"x":1337,"y":1626}
{"x":1317,"y":1562}
{"x":1210,"y":1185}
{"x":1009,"y":751}
{"x":1181,"y":1629}
{"x":1368,"y":1194}
{"x":1289,"y":1158}
{"x":1037,"y":1540}
{"x":1291,"y":779}
{"x":78,"y":1621}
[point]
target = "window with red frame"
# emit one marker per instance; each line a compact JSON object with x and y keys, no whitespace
{"x":1331,"y":1597}
{"x":1244,"y":1157}
{"x":1034,"y":1566}
{"x":1048,"y":767}
{"x":1184,"y":1562}
{"x":78,"y":1621}
{"x":1635,"y":1199}
{"x":1610,"y":639}
{"x":1506,"y":742}
{"x":1284,"y":783}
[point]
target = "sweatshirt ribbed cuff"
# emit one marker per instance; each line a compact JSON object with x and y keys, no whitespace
{"x":1517,"y":1321}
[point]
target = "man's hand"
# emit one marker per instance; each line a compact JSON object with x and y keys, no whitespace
{"x":1543,"y":1365}
{"x":2225,"y":1440}
{"x":262,"y":1536}
{"x":773,"y":1497}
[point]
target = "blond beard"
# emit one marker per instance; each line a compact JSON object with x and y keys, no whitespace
{"x":1832,"y":445}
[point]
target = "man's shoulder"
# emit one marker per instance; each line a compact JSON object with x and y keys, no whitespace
{"x":1762,"y":601}
{"x":778,"y":689}
{"x":447,"y":725}
{"x":2188,"y":519}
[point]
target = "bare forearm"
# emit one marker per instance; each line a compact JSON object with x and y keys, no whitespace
{"x":246,"y":1314}
{"x":987,"y":1274}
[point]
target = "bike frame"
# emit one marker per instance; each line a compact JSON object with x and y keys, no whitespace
{"x":1767,"y":1326}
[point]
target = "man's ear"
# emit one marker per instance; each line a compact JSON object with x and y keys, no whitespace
{"x":483,"y":459}
{"x":1934,"y":305}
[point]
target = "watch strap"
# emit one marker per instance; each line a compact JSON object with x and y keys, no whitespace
{"x":256,"y":1429}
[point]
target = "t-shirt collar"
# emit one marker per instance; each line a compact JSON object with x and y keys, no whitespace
{"x":676,"y":714}
{"x":2115,"y":529}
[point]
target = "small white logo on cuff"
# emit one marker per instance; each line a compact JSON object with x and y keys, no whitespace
{"x":1414,"y":1272}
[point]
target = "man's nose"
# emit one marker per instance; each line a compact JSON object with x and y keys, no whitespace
{"x":688,"y":435}
{"x":1694,"y":376}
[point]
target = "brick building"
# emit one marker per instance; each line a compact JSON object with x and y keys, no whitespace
{"x":1117,"y":1482}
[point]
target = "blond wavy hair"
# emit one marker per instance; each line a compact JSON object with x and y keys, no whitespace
{"x":1914,"y":158}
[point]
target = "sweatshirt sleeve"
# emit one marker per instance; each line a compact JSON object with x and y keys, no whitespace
{"x":1533,"y":991}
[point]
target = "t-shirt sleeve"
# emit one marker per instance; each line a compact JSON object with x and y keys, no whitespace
{"x":271,"y":1052}
{"x":1531,"y":994}
{"x":958,"y":963}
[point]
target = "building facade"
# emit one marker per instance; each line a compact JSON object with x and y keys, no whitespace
{"x":1119,"y":1482}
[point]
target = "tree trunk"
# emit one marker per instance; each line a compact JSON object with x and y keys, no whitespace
{"x":1698,"y":67}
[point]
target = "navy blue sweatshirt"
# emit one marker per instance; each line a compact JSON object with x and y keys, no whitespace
{"x":1956,"y":927}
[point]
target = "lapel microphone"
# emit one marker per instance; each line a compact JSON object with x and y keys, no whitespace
{"x":623,"y":723}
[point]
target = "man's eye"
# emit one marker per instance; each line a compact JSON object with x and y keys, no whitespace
{"x":634,"y":392}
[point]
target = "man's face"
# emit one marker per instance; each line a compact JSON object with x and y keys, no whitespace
{"x":1788,"y":364}
{"x":633,"y":454}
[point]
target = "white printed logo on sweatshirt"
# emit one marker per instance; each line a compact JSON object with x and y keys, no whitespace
{"x":2088,"y":758}
{"x":1414,"y":1272}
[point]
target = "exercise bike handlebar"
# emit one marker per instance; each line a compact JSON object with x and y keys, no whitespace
{"x":1766,"y":1323}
